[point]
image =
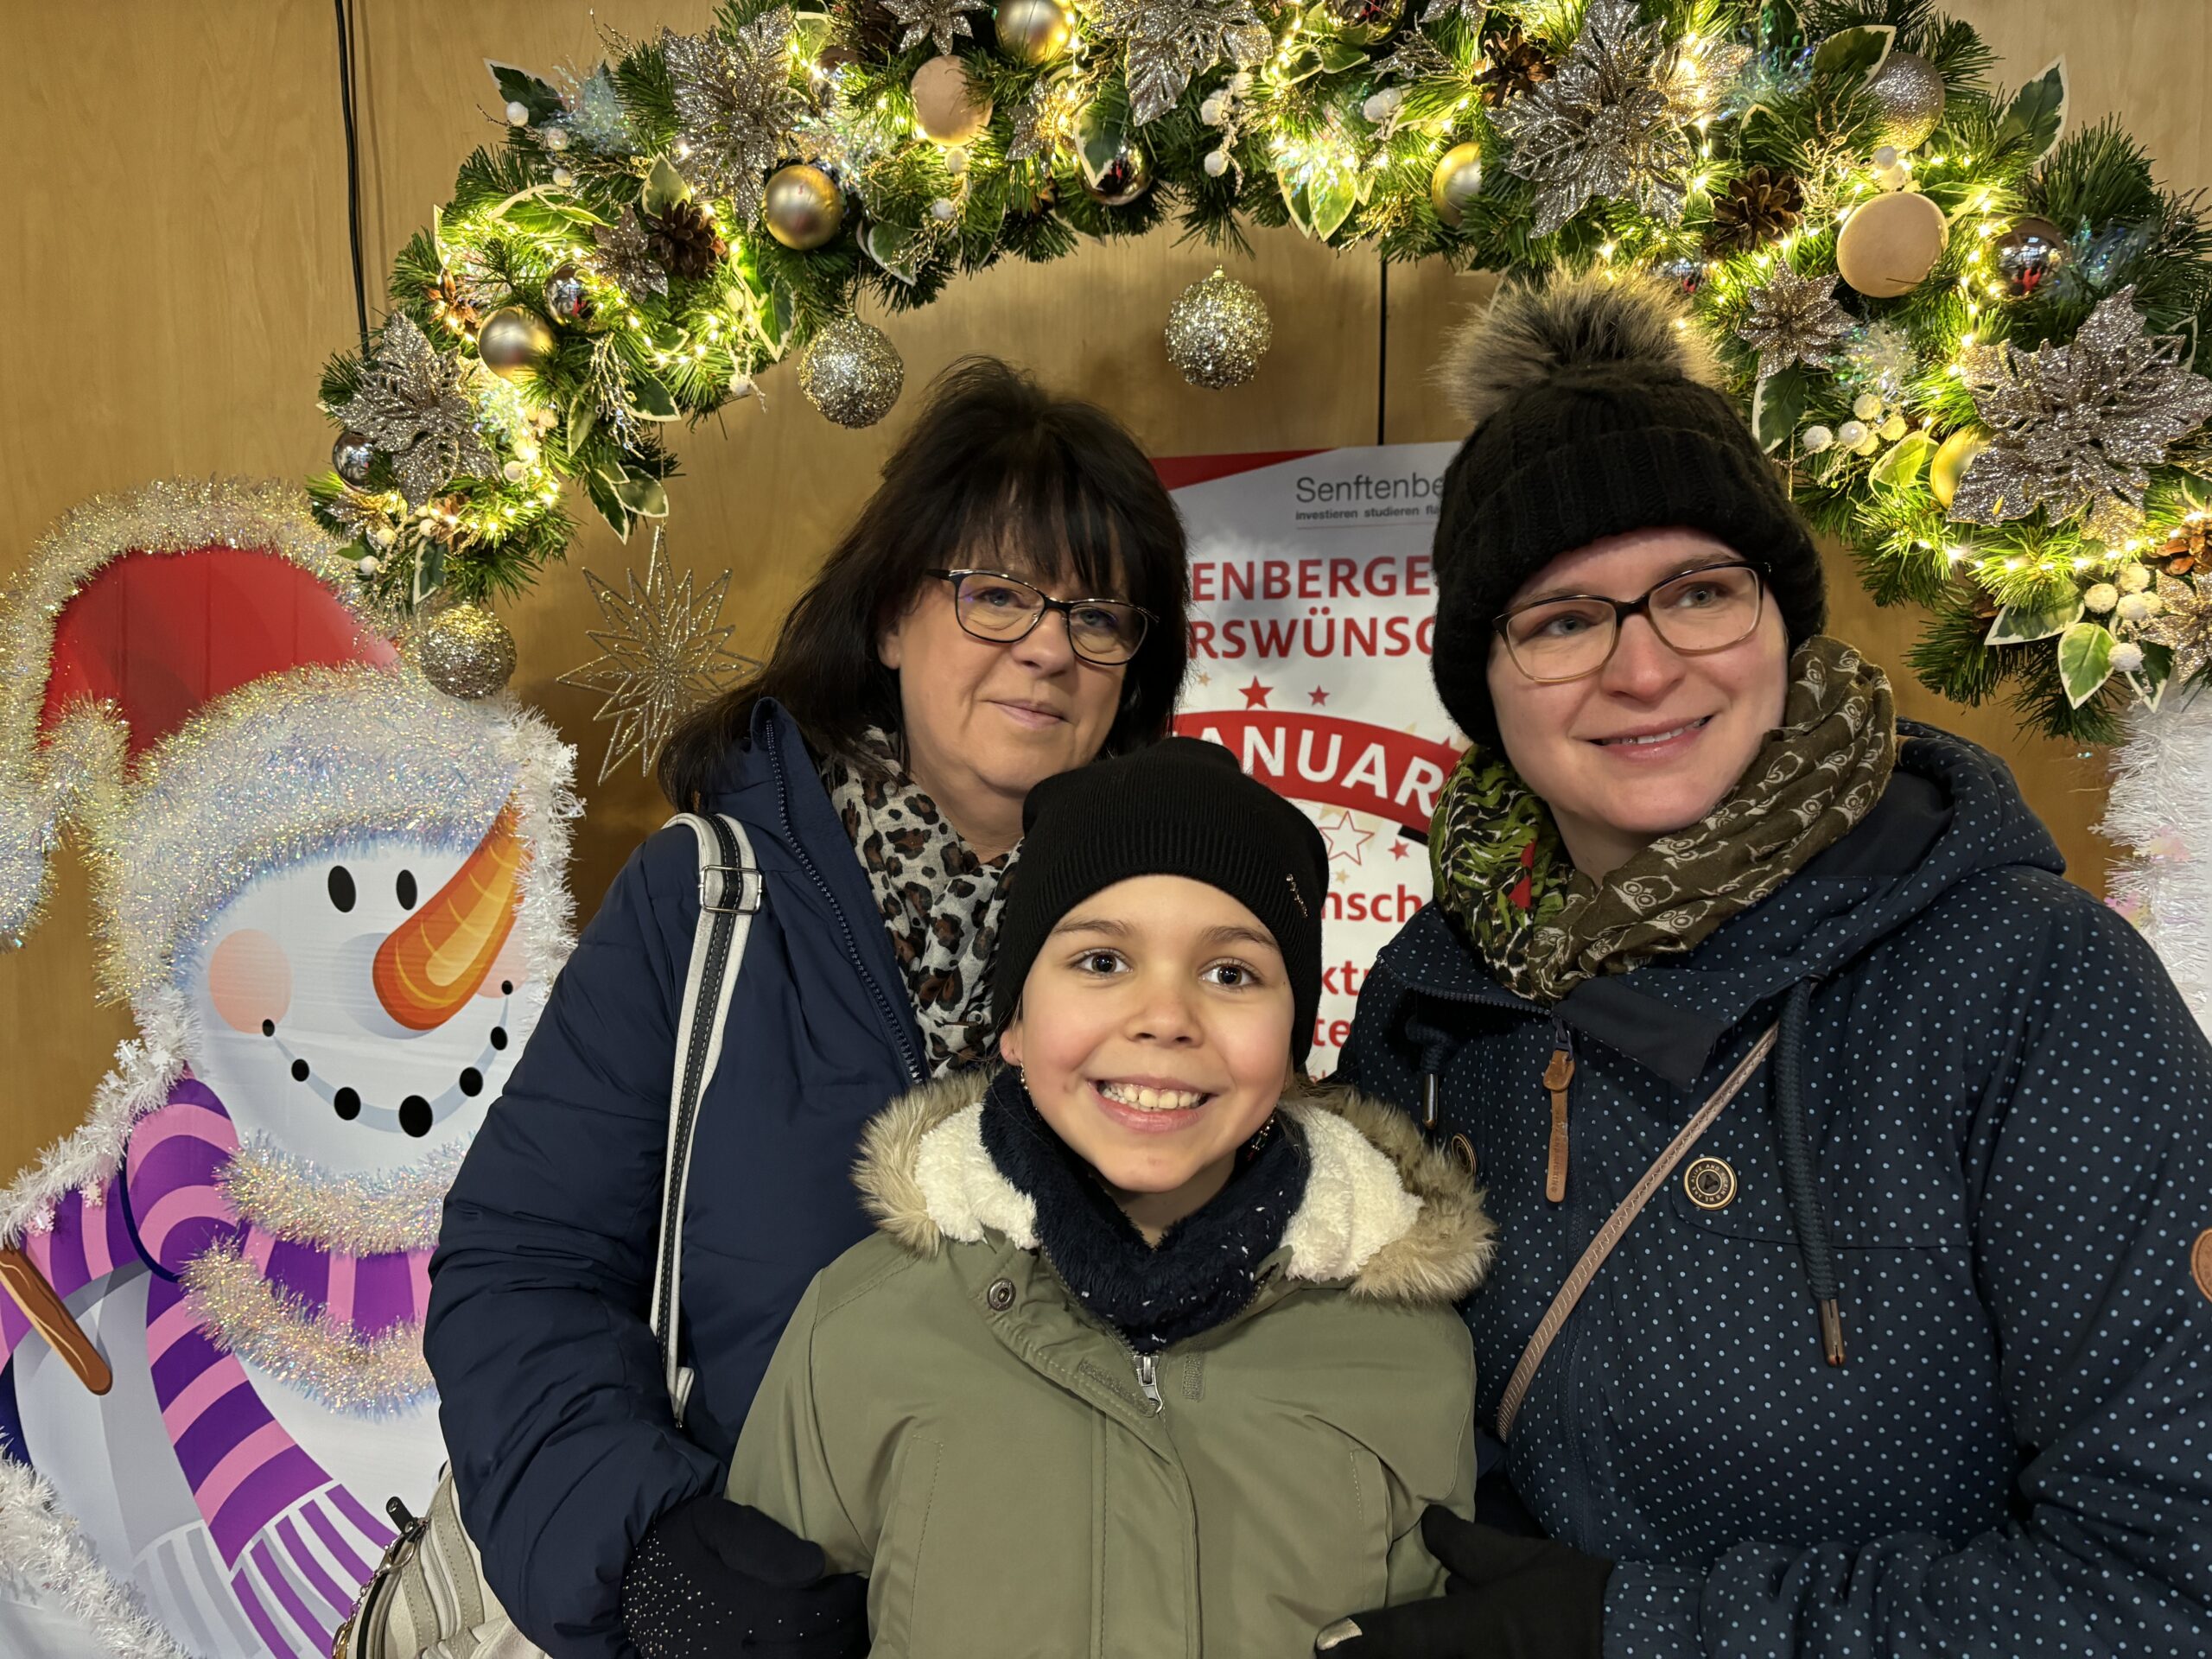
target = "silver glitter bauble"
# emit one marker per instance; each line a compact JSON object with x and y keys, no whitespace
{"x":1116,"y":170}
{"x":1217,"y":332}
{"x":1034,"y":31}
{"x":567,"y":297}
{"x":1363,"y":22}
{"x":1908,"y":90}
{"x":513,"y":341}
{"x":2028,"y":255}
{"x":465,"y":651}
{"x":352,"y":456}
{"x":851,"y":372}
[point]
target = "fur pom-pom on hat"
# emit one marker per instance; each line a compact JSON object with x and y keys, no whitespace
{"x":1598,"y":409}
{"x":1533,"y":334}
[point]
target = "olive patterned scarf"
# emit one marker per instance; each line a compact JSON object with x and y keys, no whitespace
{"x":939,"y":902}
{"x":1504,"y":878}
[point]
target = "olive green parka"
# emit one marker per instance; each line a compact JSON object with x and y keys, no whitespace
{"x":943,"y":1415}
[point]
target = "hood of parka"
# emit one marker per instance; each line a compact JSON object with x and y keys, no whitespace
{"x":1952,"y":812}
{"x":1384,"y":1214}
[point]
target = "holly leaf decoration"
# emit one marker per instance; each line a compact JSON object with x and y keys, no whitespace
{"x":650,"y":398}
{"x":1854,"y":53}
{"x":520,"y":86}
{"x":2037,"y":113}
{"x":2021,"y":625}
{"x":2149,"y":682}
{"x":1778,"y":405}
{"x":2084,"y":660}
{"x":665,"y":187}
{"x":1901,"y":464}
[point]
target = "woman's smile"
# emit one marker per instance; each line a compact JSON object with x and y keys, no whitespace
{"x":1651,"y":744}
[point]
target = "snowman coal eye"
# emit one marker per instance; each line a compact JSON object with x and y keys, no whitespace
{"x":407,"y":889}
{"x":341,"y":887}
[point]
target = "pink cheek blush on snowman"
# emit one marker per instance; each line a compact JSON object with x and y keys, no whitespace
{"x":333,"y":897}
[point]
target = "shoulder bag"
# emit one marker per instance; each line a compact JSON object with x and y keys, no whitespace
{"x":427,"y":1599}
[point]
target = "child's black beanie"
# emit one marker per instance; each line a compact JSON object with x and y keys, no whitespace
{"x":1180,"y":807}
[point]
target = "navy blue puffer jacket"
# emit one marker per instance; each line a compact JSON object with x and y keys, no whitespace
{"x":563,"y":1445}
{"x":2004,"y":1129}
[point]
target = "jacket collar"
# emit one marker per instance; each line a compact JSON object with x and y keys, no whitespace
{"x":1951,"y":812}
{"x":1384,"y":1213}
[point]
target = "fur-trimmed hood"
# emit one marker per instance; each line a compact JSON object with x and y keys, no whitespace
{"x":1384,"y":1213}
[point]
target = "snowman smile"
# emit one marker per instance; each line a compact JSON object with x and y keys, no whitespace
{"x":416,"y":1115}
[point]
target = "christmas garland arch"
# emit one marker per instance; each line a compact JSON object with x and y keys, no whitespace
{"x":1969,"y":335}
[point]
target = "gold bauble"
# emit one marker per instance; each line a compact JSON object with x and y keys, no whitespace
{"x":1034,"y":31}
{"x":1908,"y":91}
{"x":1363,"y":22}
{"x":947,"y":108}
{"x":513,"y":341}
{"x":465,"y":651}
{"x":1952,"y":460}
{"x":1458,"y":176}
{"x":1116,"y":170}
{"x":802,"y":206}
{"x":1888,"y":246}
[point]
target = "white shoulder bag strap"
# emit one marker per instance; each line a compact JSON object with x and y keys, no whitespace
{"x":730,"y":893}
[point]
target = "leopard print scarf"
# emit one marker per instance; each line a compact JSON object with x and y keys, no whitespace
{"x":939,"y":902}
{"x":1503,"y":875}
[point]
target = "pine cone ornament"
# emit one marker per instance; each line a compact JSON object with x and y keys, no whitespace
{"x":1761,"y":205}
{"x":1516,"y":66}
{"x":2185,"y":549}
{"x":868,"y":29}
{"x":683,"y":240}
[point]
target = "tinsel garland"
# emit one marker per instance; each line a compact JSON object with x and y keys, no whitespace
{"x":373,"y":1213}
{"x":244,"y":1315}
{"x":2160,"y":806}
{"x":42,"y":1551}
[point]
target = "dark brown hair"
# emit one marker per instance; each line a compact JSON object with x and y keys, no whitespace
{"x":996,"y":469}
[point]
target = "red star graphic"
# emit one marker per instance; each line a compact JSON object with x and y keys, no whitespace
{"x":1344,"y":837}
{"x":1397,"y":849}
{"x":1316,"y":696}
{"x":1256,"y":695}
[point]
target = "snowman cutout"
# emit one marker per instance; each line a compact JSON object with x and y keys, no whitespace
{"x":333,"y":897}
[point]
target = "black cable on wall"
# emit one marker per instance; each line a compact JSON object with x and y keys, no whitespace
{"x":353,"y":165}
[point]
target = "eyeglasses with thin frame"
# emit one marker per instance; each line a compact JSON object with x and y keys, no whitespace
{"x":1573,"y":636}
{"x":994,"y":605}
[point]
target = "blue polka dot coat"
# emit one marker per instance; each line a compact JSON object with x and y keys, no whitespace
{"x":2009,"y":1109}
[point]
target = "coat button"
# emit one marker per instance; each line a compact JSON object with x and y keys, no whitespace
{"x":999,"y":1295}
{"x":1710,"y":1182}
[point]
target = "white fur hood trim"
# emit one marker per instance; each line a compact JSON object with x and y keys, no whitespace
{"x":1383,"y":1212}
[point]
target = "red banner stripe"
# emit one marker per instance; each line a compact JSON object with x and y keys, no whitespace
{"x":1333,"y":762}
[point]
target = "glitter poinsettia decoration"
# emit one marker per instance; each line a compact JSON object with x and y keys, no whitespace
{"x":1170,"y":42}
{"x":413,"y":404}
{"x":735,"y":106}
{"x":939,"y":22}
{"x":1793,"y":319}
{"x":664,"y":652}
{"x":2183,"y":623}
{"x":1610,"y":122}
{"x":2075,"y":429}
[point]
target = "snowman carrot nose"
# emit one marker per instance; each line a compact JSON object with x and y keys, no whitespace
{"x":432,"y":964}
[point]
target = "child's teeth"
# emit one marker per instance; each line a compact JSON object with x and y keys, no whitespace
{"x":1151,"y":1100}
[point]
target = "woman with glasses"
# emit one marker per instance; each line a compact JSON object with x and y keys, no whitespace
{"x":1008,"y":604}
{"x":1906,"y":1348}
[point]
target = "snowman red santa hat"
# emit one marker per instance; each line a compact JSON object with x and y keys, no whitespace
{"x":189,"y":687}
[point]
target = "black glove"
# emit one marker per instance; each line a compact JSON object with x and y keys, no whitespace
{"x":712,"y":1577}
{"x":1506,"y":1598}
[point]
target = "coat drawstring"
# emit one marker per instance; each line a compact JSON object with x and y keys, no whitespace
{"x":1800,"y":1175}
{"x":1436,"y":1048}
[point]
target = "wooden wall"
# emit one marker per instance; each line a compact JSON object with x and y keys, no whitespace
{"x":177,"y":269}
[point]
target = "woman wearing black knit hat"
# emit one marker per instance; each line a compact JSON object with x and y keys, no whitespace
{"x":1857,"y":1168}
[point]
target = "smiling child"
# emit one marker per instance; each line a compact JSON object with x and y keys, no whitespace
{"x":1156,"y":1350}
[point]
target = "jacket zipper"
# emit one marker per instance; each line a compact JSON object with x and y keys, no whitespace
{"x":1148,"y":1379}
{"x":915,"y":1070}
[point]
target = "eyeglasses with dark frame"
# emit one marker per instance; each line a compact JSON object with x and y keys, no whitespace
{"x":994,"y":605}
{"x":1573,"y":636}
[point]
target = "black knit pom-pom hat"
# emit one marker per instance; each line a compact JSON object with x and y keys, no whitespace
{"x":1598,"y":410}
{"x":1180,"y":807}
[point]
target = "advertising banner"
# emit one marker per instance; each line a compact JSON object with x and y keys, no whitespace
{"x":1314,"y":602}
